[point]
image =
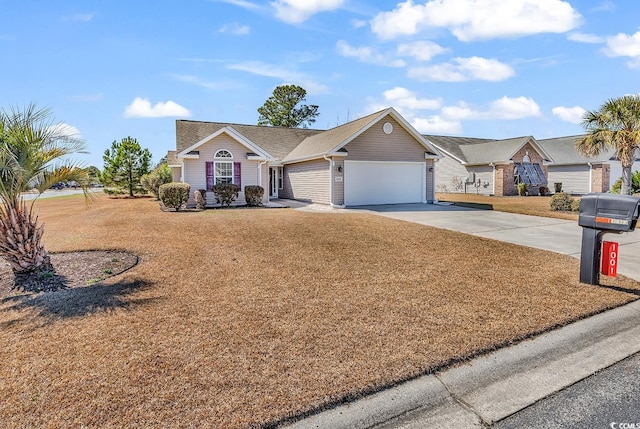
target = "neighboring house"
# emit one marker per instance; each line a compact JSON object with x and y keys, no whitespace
{"x":577,"y":173}
{"x":490,"y":167}
{"x":377,"y":159}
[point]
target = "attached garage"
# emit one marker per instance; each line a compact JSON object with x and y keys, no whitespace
{"x":380,"y":182}
{"x":575,"y":179}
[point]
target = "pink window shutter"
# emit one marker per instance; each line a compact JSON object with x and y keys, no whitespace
{"x":237,"y":179}
{"x":209,"y":176}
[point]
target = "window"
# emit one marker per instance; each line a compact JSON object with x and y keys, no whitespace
{"x":280,"y":180}
{"x":223,"y":153}
{"x":223,"y":172}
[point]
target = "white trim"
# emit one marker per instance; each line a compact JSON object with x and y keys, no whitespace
{"x":190,"y":156}
{"x":545,"y":155}
{"x":215,"y":155}
{"x":591,"y":176}
{"x":447,"y":153}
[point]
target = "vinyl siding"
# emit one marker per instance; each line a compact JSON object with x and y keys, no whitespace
{"x":375,"y":145}
{"x":338,"y":187}
{"x":574,"y":178}
{"x":307,"y":181}
{"x":195,"y":169}
{"x":448,"y":172}
{"x":431,"y":196}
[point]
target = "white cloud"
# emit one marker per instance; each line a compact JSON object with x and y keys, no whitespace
{"x":504,"y":108}
{"x":62,"y":129}
{"x":569,"y":114}
{"x":243,"y":4}
{"x":436,"y":125}
{"x":478,"y":19}
{"x":421,"y":50}
{"x":194,"y":80}
{"x":367,"y":55}
{"x":79,"y":17}
{"x":624,"y":45}
{"x":585,"y":38}
{"x":464,"y":69}
{"x":403,"y":98}
{"x":142,"y":108}
{"x":235,"y":28}
{"x":358,"y":23}
{"x":298,"y":11}
{"x":288,"y":76}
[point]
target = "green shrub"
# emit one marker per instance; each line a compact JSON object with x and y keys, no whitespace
{"x":174,"y":195}
{"x":253,"y":195}
{"x":635,"y":184}
{"x":201,"y":199}
{"x":575,"y":205}
{"x":562,"y":202}
{"x":522,"y":189}
{"x":226,"y":193}
{"x":113,"y":191}
{"x":159,"y":176}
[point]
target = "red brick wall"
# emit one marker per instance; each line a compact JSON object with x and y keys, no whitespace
{"x":600,"y":177}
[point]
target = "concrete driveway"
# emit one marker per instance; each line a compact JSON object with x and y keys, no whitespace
{"x":556,"y":235}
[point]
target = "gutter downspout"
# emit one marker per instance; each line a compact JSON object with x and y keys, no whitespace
{"x":493,"y":186}
{"x":330,"y":179}
{"x":590,"y":176}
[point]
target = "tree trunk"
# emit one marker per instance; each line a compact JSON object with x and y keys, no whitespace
{"x":21,"y":246}
{"x":626,"y":178}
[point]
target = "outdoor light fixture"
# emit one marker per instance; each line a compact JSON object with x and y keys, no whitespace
{"x":339,"y":169}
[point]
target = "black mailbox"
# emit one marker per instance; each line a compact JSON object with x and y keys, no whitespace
{"x":601,"y":214}
{"x":609,"y":212}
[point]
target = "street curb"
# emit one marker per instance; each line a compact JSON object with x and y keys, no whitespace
{"x":494,"y":386}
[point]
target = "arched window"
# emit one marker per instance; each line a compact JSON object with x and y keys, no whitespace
{"x":223,"y":153}
{"x":223,"y":170}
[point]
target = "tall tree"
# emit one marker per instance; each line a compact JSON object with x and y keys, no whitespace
{"x":34,"y":154}
{"x":124,"y":164}
{"x":280,"y":109}
{"x":615,"y":125}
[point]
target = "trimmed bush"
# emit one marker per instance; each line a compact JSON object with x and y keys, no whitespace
{"x":575,"y":205}
{"x":253,"y":195}
{"x":201,"y":199}
{"x":563,"y":202}
{"x":522,"y":189}
{"x":226,"y":193}
{"x":174,"y":195}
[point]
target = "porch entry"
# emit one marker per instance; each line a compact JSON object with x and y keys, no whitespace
{"x":275,"y":181}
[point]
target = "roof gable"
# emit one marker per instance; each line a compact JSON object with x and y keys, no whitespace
{"x":333,"y":140}
{"x":473,"y":151}
{"x":563,"y":150}
{"x":228,"y":130}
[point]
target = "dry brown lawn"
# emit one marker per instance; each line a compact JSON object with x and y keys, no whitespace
{"x":535,"y":206}
{"x":243,"y":318}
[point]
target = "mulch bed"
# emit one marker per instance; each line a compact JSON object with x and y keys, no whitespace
{"x":77,"y":269}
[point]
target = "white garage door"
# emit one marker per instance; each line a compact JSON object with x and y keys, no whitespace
{"x":367,"y":183}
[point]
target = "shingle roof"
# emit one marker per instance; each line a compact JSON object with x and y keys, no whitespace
{"x":326,"y":141}
{"x":453,"y":145}
{"x":479,"y":151}
{"x":277,"y":141}
{"x":563,"y":151}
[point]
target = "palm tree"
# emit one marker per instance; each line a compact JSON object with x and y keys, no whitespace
{"x":32,"y":156}
{"x":616,"y":125}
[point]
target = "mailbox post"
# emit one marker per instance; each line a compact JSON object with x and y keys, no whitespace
{"x":602,"y":214}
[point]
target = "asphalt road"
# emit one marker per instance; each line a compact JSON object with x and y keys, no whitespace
{"x":607,"y":399}
{"x":50,"y":193}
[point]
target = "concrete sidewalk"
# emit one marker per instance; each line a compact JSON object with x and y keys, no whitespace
{"x":494,"y":386}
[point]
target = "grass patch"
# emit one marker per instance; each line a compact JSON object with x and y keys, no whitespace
{"x":244,"y":318}
{"x":534,"y":206}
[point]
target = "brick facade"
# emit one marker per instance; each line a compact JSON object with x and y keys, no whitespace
{"x":504,"y":172}
{"x":600,"y":177}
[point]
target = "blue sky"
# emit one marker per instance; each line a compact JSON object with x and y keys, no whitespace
{"x":479,"y":68}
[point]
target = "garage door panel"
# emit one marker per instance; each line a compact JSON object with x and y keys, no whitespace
{"x":368,"y":183}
